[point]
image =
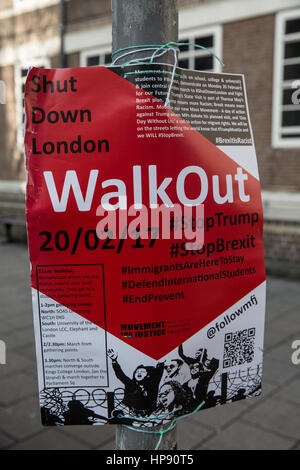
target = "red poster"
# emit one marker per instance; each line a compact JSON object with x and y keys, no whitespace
{"x":145,"y":241}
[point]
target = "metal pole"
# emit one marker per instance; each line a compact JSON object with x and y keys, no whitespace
{"x":138,"y":22}
{"x":63,"y":63}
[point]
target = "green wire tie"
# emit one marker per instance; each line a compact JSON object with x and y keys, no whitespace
{"x":172,"y":425}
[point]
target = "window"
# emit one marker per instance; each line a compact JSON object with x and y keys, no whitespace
{"x":95,"y":57}
{"x":17,"y":7}
{"x":286,"y":114}
{"x":189,"y":56}
{"x":192,"y":57}
{"x":27,"y":5}
{"x":20,"y":79}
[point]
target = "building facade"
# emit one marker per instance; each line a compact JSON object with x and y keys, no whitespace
{"x":258,"y":39}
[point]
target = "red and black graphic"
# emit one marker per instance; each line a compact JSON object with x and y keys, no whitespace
{"x":100,"y":146}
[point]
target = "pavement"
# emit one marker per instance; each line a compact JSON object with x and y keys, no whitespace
{"x":271,"y":421}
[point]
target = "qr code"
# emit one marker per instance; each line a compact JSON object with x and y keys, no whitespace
{"x":238,"y":347}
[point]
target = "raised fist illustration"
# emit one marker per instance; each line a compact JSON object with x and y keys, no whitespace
{"x":112,"y":354}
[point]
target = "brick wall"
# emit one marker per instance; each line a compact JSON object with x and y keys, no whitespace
{"x":75,"y":12}
{"x":73,"y":60}
{"x":29,"y":25}
{"x":282,"y":248}
{"x":248,"y":48}
{"x":6,"y":4}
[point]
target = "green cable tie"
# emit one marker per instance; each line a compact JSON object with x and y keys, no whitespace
{"x":168,"y":45}
{"x":172,"y":425}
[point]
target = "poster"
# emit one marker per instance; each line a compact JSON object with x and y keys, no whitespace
{"x":144,"y":221}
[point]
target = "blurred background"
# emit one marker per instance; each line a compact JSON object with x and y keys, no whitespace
{"x":260,"y":39}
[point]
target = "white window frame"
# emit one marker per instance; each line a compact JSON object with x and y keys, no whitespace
{"x":90,"y":52}
{"x":21,"y":6}
{"x":19,"y":80}
{"x":191,"y":34}
{"x":279,"y":83}
{"x":187,"y":33}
